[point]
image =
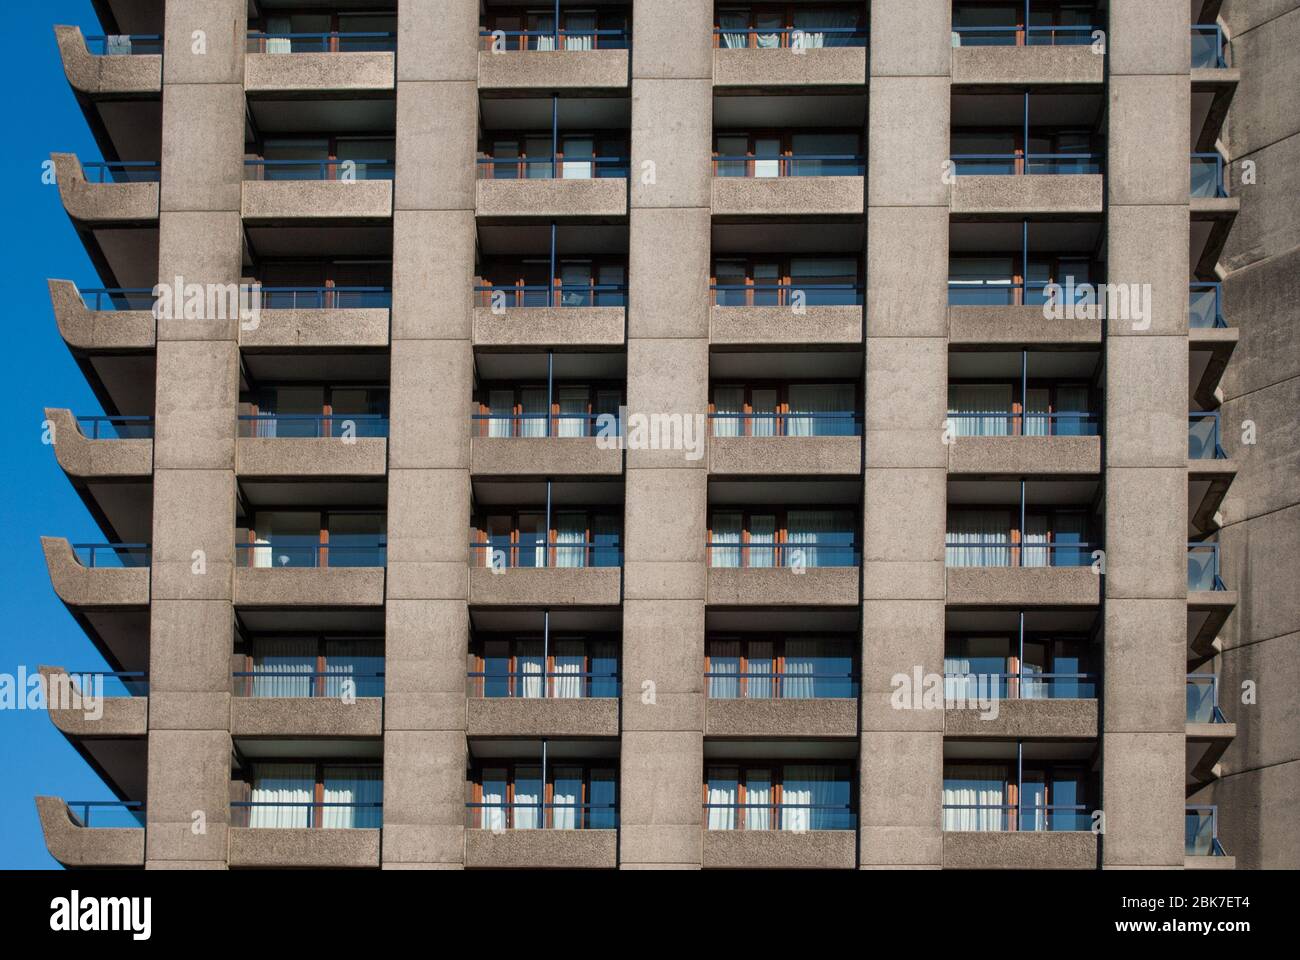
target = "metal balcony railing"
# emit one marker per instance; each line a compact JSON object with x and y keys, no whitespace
{"x":352,"y":553}
{"x":1023,"y":36}
{"x":325,"y":298}
{"x":542,"y":685}
{"x":989,"y":292}
{"x":538,"y":554}
{"x":540,"y":425}
{"x":829,"y":550}
{"x":275,"y":814}
{"x":116,"y":428}
{"x":1203,"y":699}
{"x":122,"y":171}
{"x":1014,"y":424}
{"x":1207,"y":175}
{"x":810,"y":294}
{"x":117,"y":298}
{"x":1008,"y":817}
{"x":817,"y":682}
{"x":112,"y":555}
{"x":539,"y":815}
{"x":557,"y":39}
{"x":125,"y":44}
{"x":1201,"y":834}
{"x":332,"y":170}
{"x":1207,"y":46}
{"x":828,"y":423}
{"x":298,"y":425}
{"x":792,"y":817}
{"x":552,"y":168}
{"x":765,"y":166}
{"x":507,"y":295}
{"x":1203,"y":436}
{"x":111,"y":683}
{"x":331,"y":42}
{"x":1004,"y":553}
{"x":107,"y":813}
{"x":789,"y":38}
{"x":1015,"y":164}
{"x":283,"y":681}
{"x":1205,"y":305}
{"x":1203,"y":567}
{"x":1020,"y":686}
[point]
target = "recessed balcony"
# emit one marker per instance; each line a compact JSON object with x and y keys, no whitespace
{"x":342,"y":62}
{"x":771,"y":183}
{"x":102,"y":448}
{"x":101,"y":194}
{"x":98,"y":704}
{"x":277,"y":190}
{"x":347,"y":571}
{"x":118,"y":67}
{"x":1209,"y":471}
{"x":1209,"y":733}
{"x":601,"y":192}
{"x":1062,"y":50}
{"x":96,"y":576}
{"x":815,"y":431}
{"x":1201,"y":847}
{"x":770,"y":49}
{"x":582,"y":49}
{"x":98,"y":834}
{"x":319,"y":446}
{"x":317,"y":317}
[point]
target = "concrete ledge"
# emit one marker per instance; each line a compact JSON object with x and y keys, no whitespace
{"x":119,"y":77}
{"x":294,"y":847}
{"x":1026,"y":719}
{"x":1023,"y":586}
{"x":977,"y":66}
{"x":542,"y":717}
{"x":87,"y":331}
{"x":550,"y":326}
{"x":533,"y":586}
{"x":785,"y":456}
{"x":121,"y":717}
{"x":1209,"y":863}
{"x":1214,"y":601}
{"x":360,"y":70}
{"x":316,"y":328}
{"x":787,"y":196}
{"x":781,"y":325}
{"x":829,"y":717}
{"x":76,"y":846}
{"x":1214,"y":208}
{"x":553,"y":70}
{"x":556,"y":849}
{"x":551,"y":198}
{"x":316,"y":199}
{"x":787,"y":67}
{"x":88,"y":587}
{"x":309,"y":586}
{"x":542,"y":456}
{"x":81,"y":457}
{"x":778,"y":849}
{"x":102,"y":203}
{"x":306,"y":717}
{"x":311,"y":456}
{"x":1036,"y":193}
{"x":1025,"y":455}
{"x":815,"y":587}
{"x":1017,"y":325}
{"x":1030,"y":850}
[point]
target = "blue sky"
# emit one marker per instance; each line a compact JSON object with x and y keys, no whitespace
{"x":42,"y":116}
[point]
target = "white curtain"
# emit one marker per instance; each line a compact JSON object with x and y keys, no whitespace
{"x":579,"y":22}
{"x":353,"y":660}
{"x":975,"y":538}
{"x":545,"y":24}
{"x":282,"y":783}
{"x":762,"y":537}
{"x":725,"y":548}
{"x":814,"y":398}
{"x":565,"y":797}
{"x":570,"y":661}
{"x":734,"y":25}
{"x":501,"y":407}
{"x":722,"y":809}
{"x":992,"y":401}
{"x":961,"y":687}
{"x":531,"y":666}
{"x":797,"y":682}
{"x":728,"y":400}
{"x":814,"y":20}
{"x":969,"y":787}
{"x":570,"y":533}
{"x":573,"y":407}
{"x":760,"y":665}
{"x":824,"y":535}
{"x":1038,"y":403}
{"x":724,"y":665}
{"x":492,"y":815}
{"x":527,"y":810}
{"x":808,"y":797}
{"x":358,"y":787}
{"x":262,"y":551}
{"x":1031,"y":689}
{"x":279,"y":44}
{"x":283,"y":656}
{"x":1035,"y":552}
{"x":535,"y":409}
{"x":758,"y":800}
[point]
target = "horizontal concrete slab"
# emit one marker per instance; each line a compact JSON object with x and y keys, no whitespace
{"x":554,"y":586}
{"x":309,"y":586}
{"x":556,"y":849}
{"x":292,"y":847}
{"x":605,"y":197}
{"x":311,"y":456}
{"x":829,"y":717}
{"x":84,"y":587}
{"x":1035,"y":193}
{"x":1018,"y":325}
{"x":785,"y":456}
{"x":1025,"y":719}
{"x":83,"y":458}
{"x":1029,"y":850}
{"x":94,"y":204}
{"x":109,"y":77}
{"x":1023,"y":586}
{"x":1025,"y":455}
{"x":1039,"y":65}
{"x":343,"y":71}
{"x":93,"y":331}
{"x":542,"y":717}
{"x":550,"y":326}
{"x":543,"y":456}
{"x":777,"y":849}
{"x":553,"y":69}
{"x":814,"y":587}
{"x":306,"y":717}
{"x":786,"y":196}
{"x":117,"y":716}
{"x":76,"y":846}
{"x":790,"y":67}
{"x":316,"y":328}
{"x":279,"y":200}
{"x":782,"y":325}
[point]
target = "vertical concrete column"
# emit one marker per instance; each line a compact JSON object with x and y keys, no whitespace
{"x":426,"y":618}
{"x":190,"y":624}
{"x":1145,"y":650}
{"x":667,"y":492}
{"x":905,"y":483}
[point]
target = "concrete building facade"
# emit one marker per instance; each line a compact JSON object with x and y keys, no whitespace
{"x":677,"y":435}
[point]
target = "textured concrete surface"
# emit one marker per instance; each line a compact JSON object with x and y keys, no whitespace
{"x":76,"y":846}
{"x":815,"y":587}
{"x":582,"y":586}
{"x":1037,"y":193}
{"x":311,"y":456}
{"x":309,"y":586}
{"x":95,"y":330}
{"x":317,"y":199}
{"x":306,"y":717}
{"x":570,"y":70}
{"x":557,"y":849}
{"x":316,"y":328}
{"x":780,"y":325}
{"x":86,"y":587}
{"x":82,"y":457}
{"x":1023,"y":586}
{"x":785,"y":456}
{"x":777,"y":196}
{"x":1030,"y":850}
{"x":790,"y":67}
{"x":541,"y":717}
{"x":1028,"y":719}
{"x":120,"y":717}
{"x":94,"y":204}
{"x":780,"y":849}
{"x":545,"y":456}
{"x":106,"y":76}
{"x":1025,"y":455}
{"x":1038,"y":65}
{"x":551,"y":198}
{"x":814,"y":719}
{"x":256,"y":847}
{"x":346,"y":71}
{"x":1018,"y":325}
{"x":546,"y":326}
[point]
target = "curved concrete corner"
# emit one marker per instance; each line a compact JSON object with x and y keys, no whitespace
{"x":994,"y":456}
{"x":85,"y":330}
{"x":306,"y":717}
{"x":1025,"y":719}
{"x":778,"y":586}
{"x":76,"y":846}
{"x":557,"y":586}
{"x":344,"y":71}
{"x":785,"y":456}
{"x":553,"y":70}
{"x":550,"y":327}
{"x":820,"y":718}
{"x":291,"y":847}
{"x":543,"y":456}
{"x":542,"y":717}
{"x":102,"y":203}
{"x":779,"y":196}
{"x":781,"y":849}
{"x":604,"y":197}
{"x":555,"y":849}
{"x":274,"y":328}
{"x":790,"y":67}
{"x":311,"y":456}
{"x":1023,"y":586}
{"x":309,"y":587}
{"x":1036,"y":193}
{"x":316,"y":200}
{"x":781,"y":325}
{"x":88,"y":587}
{"x":120,"y":716}
{"x":1017,"y":324}
{"x":118,"y":76}
{"x":1043,"y":65}
{"x":1027,"y":850}
{"x":81,"y":457}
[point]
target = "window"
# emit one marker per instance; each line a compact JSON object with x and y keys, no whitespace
{"x":781,"y":410}
{"x":1051,"y":668}
{"x":314,"y":410}
{"x":579,"y":282}
{"x":580,"y":28}
{"x":323,"y":157}
{"x":992,"y":409}
{"x":987,"y":797}
{"x":575,"y":538}
{"x":518,"y":795}
{"x":310,"y":794}
{"x":985,"y":537}
{"x":510,"y":410}
{"x":833,"y":153}
{"x":565,"y":667}
{"x":776,"y":796}
{"x":762,"y":538}
{"x":804,"y":26}
{"x":820,"y":280}
{"x":311,"y":666}
{"x":308,"y":538}
{"x":580,"y":156}
{"x":781,"y":667}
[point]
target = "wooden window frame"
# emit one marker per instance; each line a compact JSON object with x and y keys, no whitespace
{"x":776,"y":774}
{"x":780,"y":535}
{"x":479,"y":531}
{"x":483,"y":396}
{"x":784,"y":265}
{"x":1018,"y":411}
{"x":582,"y":816}
{"x":784,"y":135}
{"x":782,"y":388}
{"x":778,"y":641}
{"x":318,"y":785}
{"x":478,"y":659}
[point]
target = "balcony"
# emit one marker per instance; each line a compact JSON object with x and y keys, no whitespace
{"x":319,"y":446}
{"x":93,"y":833}
{"x":1022,"y":54}
{"x":1029,"y":705}
{"x":119,"y":67}
{"x":278,"y":700}
{"x":318,"y":317}
{"x":552,"y":186}
{"x":104,"y":323}
{"x":99,"y":704}
{"x":1027,"y":183}
{"x":1209,"y":471}
{"x":798,"y":54}
{"x":102,"y":448}
{"x":991,"y":573}
{"x":98,"y":576}
{"x":351,"y":574}
{"x":820,"y":443}
{"x":567,"y":57}
{"x":102,"y":194}
{"x":337,"y":62}
{"x":569,"y":701}
{"x":555,"y":445}
{"x":815,"y":569}
{"x":586,"y":849}
{"x":1209,"y":734}
{"x":1020,"y":850}
{"x":811,"y":697}
{"x":277,"y":191}
{"x":1208,"y":51}
{"x":772,"y":184}
{"x":581,"y":573}
{"x":299,"y":834}
{"x":1201,"y":847}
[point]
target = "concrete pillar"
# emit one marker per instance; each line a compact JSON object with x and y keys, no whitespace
{"x":426,"y":618}
{"x":1144,"y":657}
{"x":190,"y":635}
{"x":662,"y":763}
{"x":905,"y":482}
